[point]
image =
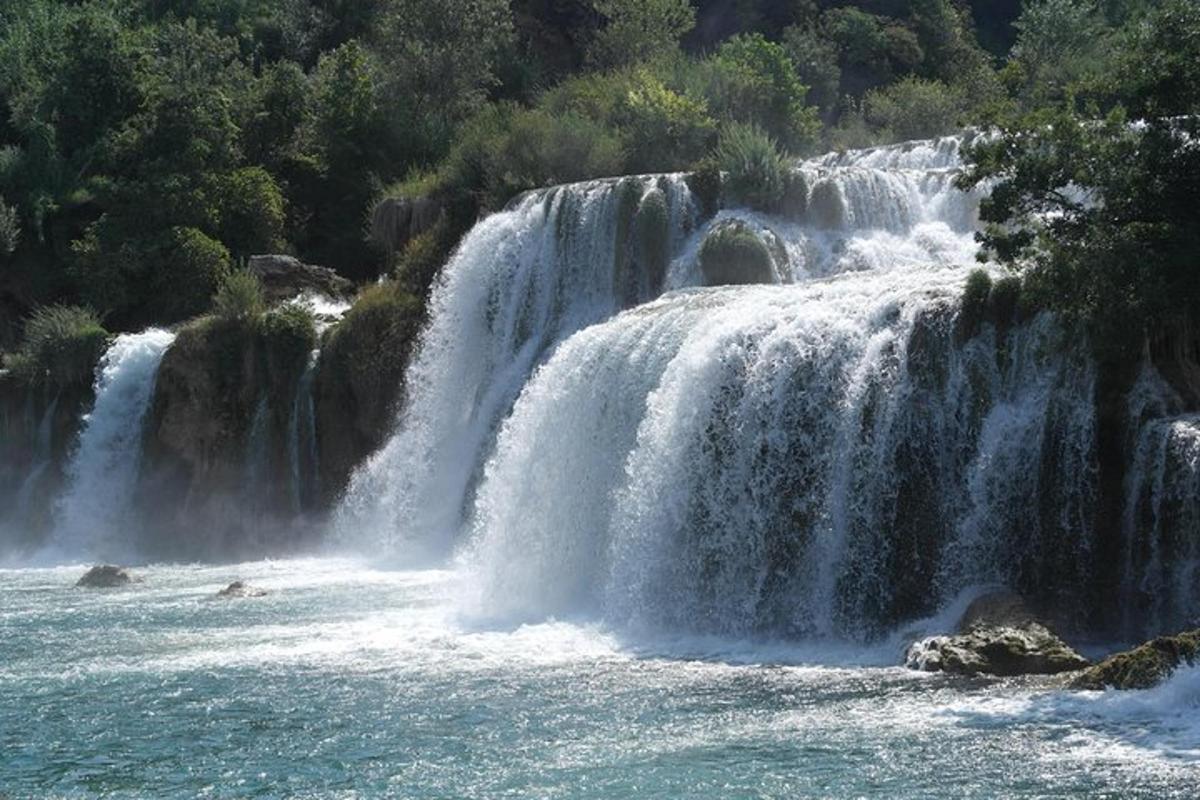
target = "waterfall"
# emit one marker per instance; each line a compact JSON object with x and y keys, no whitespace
{"x":303,"y":463}
{"x":828,"y":455}
{"x":92,"y":517}
{"x":521,"y":282}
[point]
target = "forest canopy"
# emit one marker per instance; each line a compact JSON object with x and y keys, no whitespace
{"x":149,"y":147}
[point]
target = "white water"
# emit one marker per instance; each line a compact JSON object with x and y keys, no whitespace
{"x":824,"y":459}
{"x":92,"y":519}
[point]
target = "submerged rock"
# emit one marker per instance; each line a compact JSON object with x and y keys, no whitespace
{"x":996,"y":636}
{"x":1144,"y":666}
{"x":105,"y":576}
{"x":239,"y":589}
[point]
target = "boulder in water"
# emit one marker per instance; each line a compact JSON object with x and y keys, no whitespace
{"x":1144,"y":666}
{"x":239,"y":589}
{"x":105,"y":576}
{"x":732,"y":253}
{"x":996,"y":636}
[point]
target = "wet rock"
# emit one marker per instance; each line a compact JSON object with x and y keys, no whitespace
{"x":733,"y":253}
{"x":105,"y":576}
{"x":239,"y":589}
{"x":996,"y":636}
{"x":284,"y":277}
{"x":1144,"y":666}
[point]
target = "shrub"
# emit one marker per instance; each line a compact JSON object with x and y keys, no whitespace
{"x":705,"y":185}
{"x":755,"y":168}
{"x":733,"y":254}
{"x":251,"y":212}
{"x":651,"y":228}
{"x":239,"y":300}
{"x":974,"y":302}
{"x":507,"y":150}
{"x":1005,"y":300}
{"x":288,"y":335}
{"x":752,"y":80}
{"x":61,"y":347}
{"x":188,"y":267}
{"x":915,"y":109}
{"x":10,"y":228}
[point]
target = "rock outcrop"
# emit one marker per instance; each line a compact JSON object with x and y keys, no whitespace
{"x":239,"y":589}
{"x":734,"y":253}
{"x":105,"y":576}
{"x":284,"y":277}
{"x":996,"y":636}
{"x":1144,"y":666}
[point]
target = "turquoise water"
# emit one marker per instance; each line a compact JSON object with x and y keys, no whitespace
{"x":348,"y":682}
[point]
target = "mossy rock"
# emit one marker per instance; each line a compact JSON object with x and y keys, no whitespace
{"x":793,"y":205}
{"x":360,"y":377}
{"x":1145,"y":666}
{"x":705,"y":185}
{"x":732,"y":253}
{"x":827,"y":207}
{"x":652,"y":234}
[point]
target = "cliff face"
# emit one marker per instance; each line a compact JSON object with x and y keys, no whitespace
{"x":38,"y":426}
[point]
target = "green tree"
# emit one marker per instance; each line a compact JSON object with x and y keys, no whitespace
{"x":639,"y":30}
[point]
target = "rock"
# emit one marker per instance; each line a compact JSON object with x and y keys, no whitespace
{"x":732,"y":253}
{"x":105,"y":576}
{"x":239,"y":589}
{"x":397,"y":220}
{"x":284,"y":278}
{"x":996,"y":636}
{"x":1144,"y":666}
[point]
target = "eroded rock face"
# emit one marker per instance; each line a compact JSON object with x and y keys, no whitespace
{"x":284,"y":277}
{"x":239,"y":589}
{"x":996,"y":636}
{"x":1144,"y":666}
{"x":105,"y":576}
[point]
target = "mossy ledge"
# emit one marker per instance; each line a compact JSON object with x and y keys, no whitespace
{"x":1145,"y":666}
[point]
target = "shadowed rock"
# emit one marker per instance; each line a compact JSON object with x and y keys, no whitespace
{"x":239,"y":589}
{"x":284,"y":277}
{"x":105,"y":576}
{"x":1144,"y":666}
{"x":996,"y":636}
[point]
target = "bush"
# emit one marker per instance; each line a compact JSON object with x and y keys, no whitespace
{"x":974,"y":302}
{"x":915,"y":109}
{"x":190,"y":267}
{"x":1005,"y":300}
{"x":61,"y":347}
{"x":755,"y":168}
{"x":705,"y":185}
{"x":239,"y":300}
{"x":251,"y":212}
{"x":507,"y":150}
{"x":10,"y":228}
{"x":288,"y":335}
{"x":734,"y":254}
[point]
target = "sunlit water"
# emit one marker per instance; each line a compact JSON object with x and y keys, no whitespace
{"x":347,"y":682}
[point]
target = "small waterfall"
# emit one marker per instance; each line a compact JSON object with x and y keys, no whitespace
{"x":92,"y":518}
{"x":1162,"y":525}
{"x":257,"y":462}
{"x":302,"y":440}
{"x":42,"y":461}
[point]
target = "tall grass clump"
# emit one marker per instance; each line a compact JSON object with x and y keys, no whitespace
{"x":61,"y":347}
{"x":754,"y":166}
{"x":239,"y":300}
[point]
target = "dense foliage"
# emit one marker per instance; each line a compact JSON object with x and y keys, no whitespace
{"x":148,"y":148}
{"x":1097,"y":196}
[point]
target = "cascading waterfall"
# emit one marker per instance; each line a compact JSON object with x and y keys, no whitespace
{"x":522,"y":281}
{"x":92,"y":517}
{"x":828,"y":458}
